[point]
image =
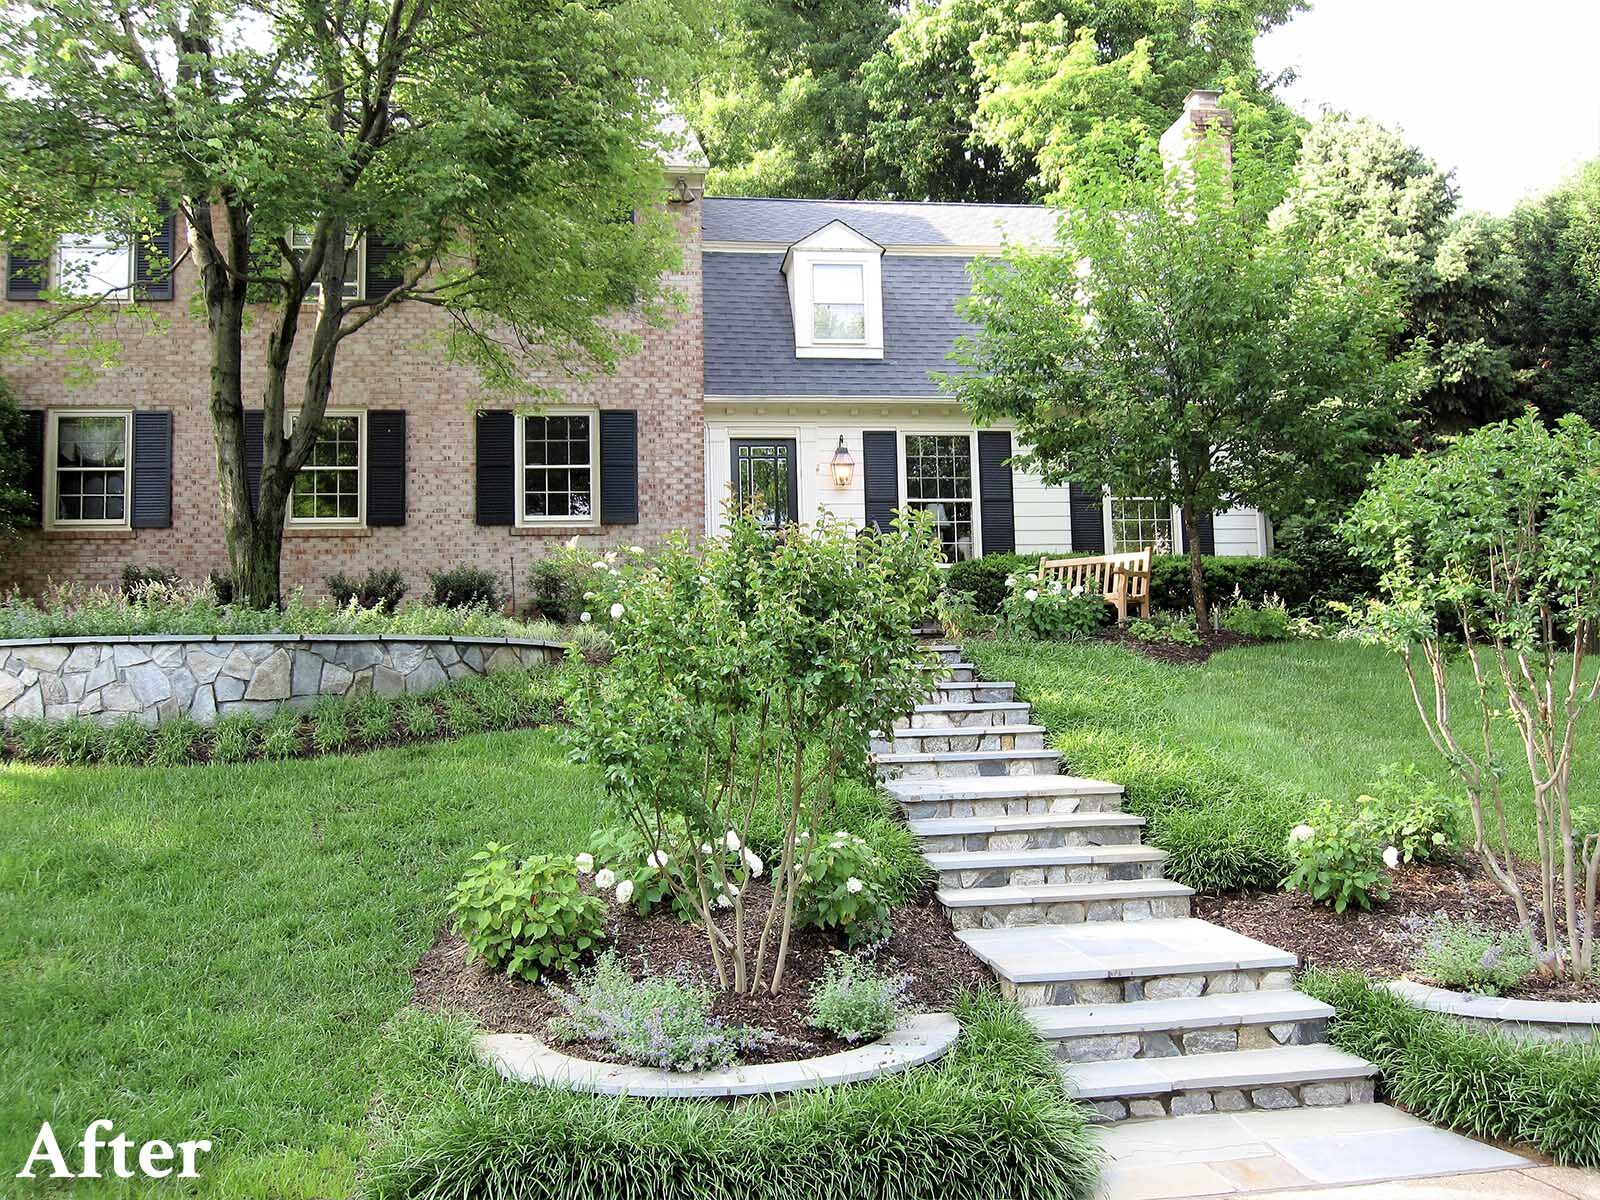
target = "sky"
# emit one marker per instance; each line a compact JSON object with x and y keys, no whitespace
{"x":1507,"y":94}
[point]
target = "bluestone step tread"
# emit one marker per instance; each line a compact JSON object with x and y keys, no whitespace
{"x":1024,"y":823}
{"x":1055,"y":856}
{"x":1120,"y":950}
{"x":1164,"y":1016}
{"x":927,"y":731}
{"x":974,"y":706}
{"x":962,"y":756}
{"x":1000,"y":787}
{"x":1060,"y":893}
{"x":1204,"y":1072}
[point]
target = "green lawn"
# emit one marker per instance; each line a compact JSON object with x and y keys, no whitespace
{"x":212,"y":951}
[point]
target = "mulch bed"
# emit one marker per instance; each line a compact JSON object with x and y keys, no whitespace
{"x":921,"y":946}
{"x":1384,"y":942}
{"x":1169,"y":652}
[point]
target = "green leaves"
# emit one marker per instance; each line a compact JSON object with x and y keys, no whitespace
{"x":527,"y":917}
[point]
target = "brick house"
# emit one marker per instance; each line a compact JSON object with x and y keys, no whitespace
{"x":798,"y":375}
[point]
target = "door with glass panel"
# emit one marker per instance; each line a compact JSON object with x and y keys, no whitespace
{"x":764,"y":477}
{"x":939,"y":482}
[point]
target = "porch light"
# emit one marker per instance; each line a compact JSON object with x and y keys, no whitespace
{"x":842,"y":465}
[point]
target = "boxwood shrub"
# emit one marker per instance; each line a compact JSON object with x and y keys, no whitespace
{"x":1480,"y":1083}
{"x":989,"y":1120}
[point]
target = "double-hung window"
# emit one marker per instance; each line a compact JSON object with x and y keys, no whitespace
{"x":1137,"y":523}
{"x":88,"y":453}
{"x":95,"y":265}
{"x":354,"y":263}
{"x":939,"y":481}
{"x":838,"y":303}
{"x":557,"y":459}
{"x":328,"y":489}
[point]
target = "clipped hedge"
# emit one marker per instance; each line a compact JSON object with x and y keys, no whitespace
{"x":1484,"y":1084}
{"x":989,"y":1120}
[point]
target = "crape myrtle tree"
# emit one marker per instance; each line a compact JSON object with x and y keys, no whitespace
{"x":499,"y":148}
{"x":1174,"y":346}
{"x":1490,"y":550}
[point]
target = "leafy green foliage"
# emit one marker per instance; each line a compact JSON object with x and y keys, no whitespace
{"x":1483,"y":1084}
{"x":331,"y":726}
{"x":449,"y":1128}
{"x":1415,"y":814}
{"x":235,"y":739}
{"x":1338,"y":857}
{"x":127,"y":744}
{"x":280,"y":736}
{"x":176,"y":742}
{"x":1045,"y":610}
{"x":526,"y":917}
{"x":1174,"y":629}
{"x":661,"y":1021}
{"x":466,"y":587}
{"x":136,"y":578}
{"x":842,"y":888}
{"x":1464,"y":955}
{"x":564,"y":582}
{"x":984,"y":579}
{"x":960,"y":617}
{"x":855,"y":1000}
{"x":621,"y":849}
{"x":18,"y":509}
{"x":380,"y":589}
{"x":1267,"y":621}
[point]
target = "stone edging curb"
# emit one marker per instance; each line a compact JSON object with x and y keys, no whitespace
{"x":523,"y":1058}
{"x":164,"y":639}
{"x":1547,"y":1020}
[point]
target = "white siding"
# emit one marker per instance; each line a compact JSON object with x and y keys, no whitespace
{"x":1242,"y":531}
{"x":1044,"y":516}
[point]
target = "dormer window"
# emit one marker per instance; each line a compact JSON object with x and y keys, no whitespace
{"x":835,"y":281}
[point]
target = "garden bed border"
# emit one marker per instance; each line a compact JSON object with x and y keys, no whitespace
{"x":1535,"y":1020}
{"x":523,"y":1058}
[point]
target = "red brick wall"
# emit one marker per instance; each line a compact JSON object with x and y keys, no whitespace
{"x":390,"y":365}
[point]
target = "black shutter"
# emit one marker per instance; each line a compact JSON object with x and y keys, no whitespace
{"x":619,"y":467}
{"x":384,"y":272}
{"x":1088,"y":519}
{"x":386,"y":467}
{"x":152,"y":470}
{"x":33,"y":447}
{"x":880,"y":477}
{"x":996,"y":509}
{"x":254,"y":449}
{"x":153,"y":257}
{"x":496,"y":484}
{"x":26,"y":278}
{"x":1205,"y":527}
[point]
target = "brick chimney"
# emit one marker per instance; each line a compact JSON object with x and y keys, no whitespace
{"x":1202,"y":111}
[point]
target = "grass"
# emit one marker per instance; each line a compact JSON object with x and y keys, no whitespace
{"x":1479,"y":1083}
{"x":989,"y":1120}
{"x":1225,"y":756}
{"x":213,"y":951}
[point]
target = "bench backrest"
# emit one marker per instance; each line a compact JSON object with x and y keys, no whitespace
{"x":1102,"y":574}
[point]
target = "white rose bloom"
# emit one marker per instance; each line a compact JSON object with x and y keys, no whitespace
{"x":853,"y":885}
{"x":1301,"y":833}
{"x":1055,"y":588}
{"x":586,"y":616}
{"x":731,"y":841}
{"x":1031,"y":595}
{"x":753,"y":861}
{"x":705,"y":847}
{"x":1011,"y":581}
{"x":616,"y":611}
{"x":624,"y":891}
{"x":585,"y":863}
{"x":1077,"y":589}
{"x":605,"y":878}
{"x":656,"y":859}
{"x":1391,"y":858}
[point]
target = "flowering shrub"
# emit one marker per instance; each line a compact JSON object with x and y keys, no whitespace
{"x":660,"y":1021}
{"x":1268,"y":621}
{"x":1465,"y":955}
{"x":1163,"y":627}
{"x":1339,"y":857}
{"x":960,"y":616}
{"x":1415,"y":814}
{"x":527,"y":918}
{"x":1035,"y":609}
{"x":842,"y":888}
{"x":855,"y":1001}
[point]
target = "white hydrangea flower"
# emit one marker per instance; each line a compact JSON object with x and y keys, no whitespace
{"x":853,"y":885}
{"x":656,"y":859}
{"x":753,"y":861}
{"x":724,"y":902}
{"x":635,"y":549}
{"x":585,"y":863}
{"x":1077,"y":589}
{"x":1301,"y":833}
{"x":624,"y":891}
{"x":705,"y":847}
{"x":1391,"y":858}
{"x":617,"y":610}
{"x":1055,"y":588}
{"x":731,"y":841}
{"x":1011,"y":581}
{"x":599,"y":564}
{"x":1031,"y":595}
{"x":586,"y":616}
{"x":733,"y":891}
{"x":604,"y":878}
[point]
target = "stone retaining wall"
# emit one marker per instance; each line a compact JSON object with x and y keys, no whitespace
{"x":1533,"y":1020}
{"x":155,"y":678}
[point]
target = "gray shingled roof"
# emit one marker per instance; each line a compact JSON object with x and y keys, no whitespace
{"x":889,"y":223}
{"x":749,"y":334}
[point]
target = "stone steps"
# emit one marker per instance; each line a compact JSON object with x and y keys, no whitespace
{"x":948,"y":652}
{"x":997,"y":908}
{"x":1055,"y":864}
{"x":1283,"y":1077}
{"x":1030,"y":831}
{"x":992,"y":712}
{"x":967,"y":764}
{"x":1163,"y":1028}
{"x":936,"y":739}
{"x":971,"y":691}
{"x":956,"y":673}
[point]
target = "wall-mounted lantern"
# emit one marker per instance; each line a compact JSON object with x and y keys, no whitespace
{"x":842,"y":465}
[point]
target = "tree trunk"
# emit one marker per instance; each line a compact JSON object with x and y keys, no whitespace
{"x":1197,"y":574}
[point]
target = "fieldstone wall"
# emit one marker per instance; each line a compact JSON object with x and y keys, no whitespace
{"x":156,"y":678}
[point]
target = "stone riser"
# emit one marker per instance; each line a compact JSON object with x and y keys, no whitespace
{"x":958,"y":719}
{"x":914,"y":742}
{"x":1148,"y":987}
{"x":1032,"y":839}
{"x":1323,"y":1093}
{"x":956,"y":673}
{"x":1011,"y":806}
{"x":968,"y":692}
{"x":1067,"y":912}
{"x":1024,"y":876}
{"x":1218,"y":1039}
{"x":955,"y":768}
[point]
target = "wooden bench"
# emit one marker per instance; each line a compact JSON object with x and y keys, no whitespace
{"x":1123,"y":579}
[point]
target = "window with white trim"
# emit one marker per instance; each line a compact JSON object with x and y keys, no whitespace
{"x":355,"y":263}
{"x":329,"y":489}
{"x":939,"y":481}
{"x":1137,"y":522}
{"x":558,"y":457}
{"x":95,"y":265}
{"x":839,"y":303}
{"x":88,"y":453}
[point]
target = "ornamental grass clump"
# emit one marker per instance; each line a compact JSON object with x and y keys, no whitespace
{"x":856,"y":1001}
{"x":749,"y":671}
{"x":1491,"y":548}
